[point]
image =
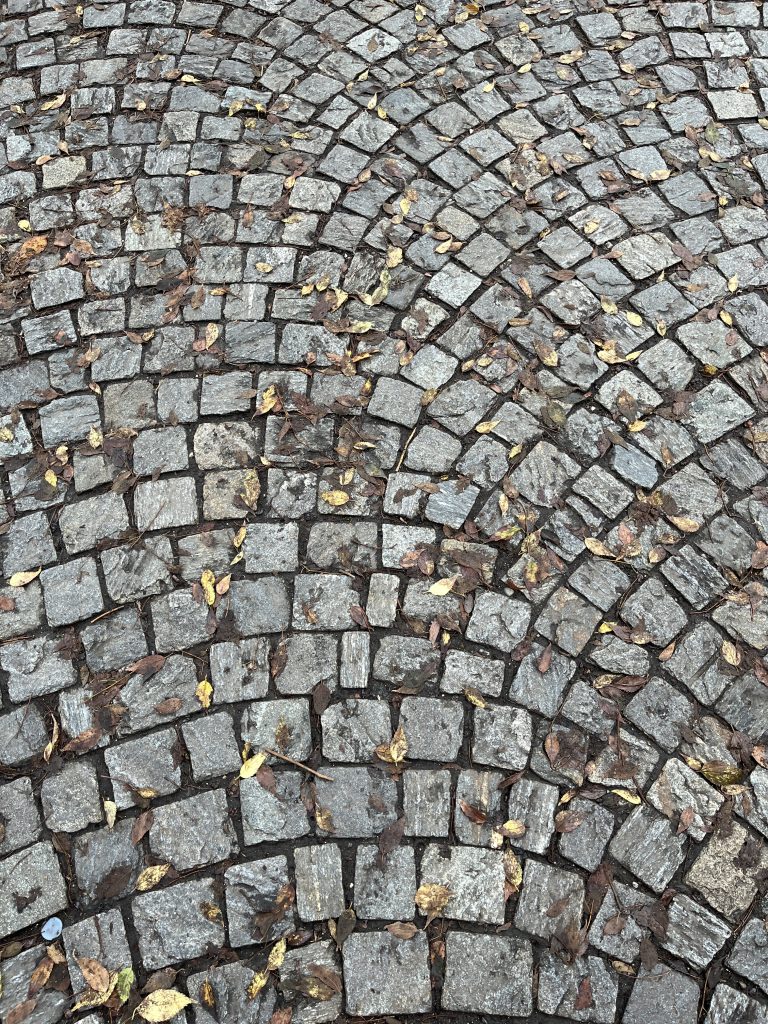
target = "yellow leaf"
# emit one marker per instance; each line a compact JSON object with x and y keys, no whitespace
{"x":252,"y":765}
{"x":50,"y":478}
{"x":661,"y":174}
{"x":513,"y":871}
{"x":431,"y":899}
{"x":525,"y":287}
{"x":405,"y":206}
{"x":731,"y":653}
{"x":395,"y":751}
{"x":635,"y":319}
{"x":721,"y":773}
{"x":21,"y":579}
{"x":25,"y":225}
{"x":513,"y":828}
{"x":359,"y":327}
{"x":487,"y":426}
{"x":475,"y":697}
{"x":204,"y":693}
{"x":598,"y":548}
{"x":211,"y":334}
{"x":637,"y":425}
{"x":6,"y":435}
{"x":621,"y":968}
{"x":264,"y":268}
{"x":726,"y":317}
{"x":394,"y":257}
{"x":257,"y":983}
{"x":546,"y":353}
{"x":251,"y":488}
{"x":239,"y":537}
{"x":335,"y":498}
{"x":149,"y":878}
{"x":685,"y":524}
{"x":733,"y":283}
{"x":444,"y":586}
{"x":590,"y":227}
{"x":489,"y":87}
{"x":444,"y":246}
{"x":110,"y":812}
{"x":609,"y":306}
{"x":628,"y":795}
{"x":373,"y":101}
{"x":162,"y":1005}
{"x":55,"y":103}
{"x":514,"y":451}
{"x":208,"y":583}
{"x":95,"y":437}
{"x":277,"y":955}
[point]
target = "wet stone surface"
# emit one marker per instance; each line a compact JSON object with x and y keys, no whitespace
{"x":383,"y":511}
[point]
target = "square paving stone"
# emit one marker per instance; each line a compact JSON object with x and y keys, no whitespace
{"x":498,"y":621}
{"x":71,"y":592}
{"x":270,"y":816}
{"x":194,"y":832}
{"x":359,"y":803}
{"x":475,"y":878}
{"x":729,"y":1006}
{"x":71,"y":799}
{"x":726,"y":871}
{"x":297,"y":967}
{"x":31,"y":886}
{"x":488,"y":974}
{"x":693,"y":933}
{"x":662,"y":994}
{"x":649,"y":847}
{"x":433,"y":728}
{"x":176,"y":923}
{"x":279,"y":725}
{"x":385,"y":975}
{"x":502,"y":737}
{"x":562,"y":985}
{"x":102,"y":938}
{"x":229,"y":984}
{"x":19,"y":815}
{"x":385,"y":887}
{"x":49,"y":1005}
{"x":107,"y":864}
{"x":260,"y":901}
{"x":352,"y":729}
{"x":212,"y":746}
{"x":749,"y":956}
{"x":550,"y":901}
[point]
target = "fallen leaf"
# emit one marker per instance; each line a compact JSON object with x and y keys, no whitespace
{"x":95,"y":974}
{"x":627,"y":795}
{"x":208,"y":583}
{"x":252,"y":765}
{"x":162,"y":1005}
{"x":597,"y":547}
{"x":431,"y":899}
{"x":110,"y":812}
{"x":204,"y":693}
{"x":395,"y":751}
{"x":335,"y":498}
{"x":21,"y":579}
{"x":149,"y":878}
{"x":444,"y":586}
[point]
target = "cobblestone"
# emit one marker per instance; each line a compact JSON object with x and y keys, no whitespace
{"x":383,"y":457}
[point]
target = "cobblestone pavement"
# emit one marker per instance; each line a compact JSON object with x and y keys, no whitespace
{"x":384,"y":445}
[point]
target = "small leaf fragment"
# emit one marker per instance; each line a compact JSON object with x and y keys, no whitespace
{"x":150,"y":877}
